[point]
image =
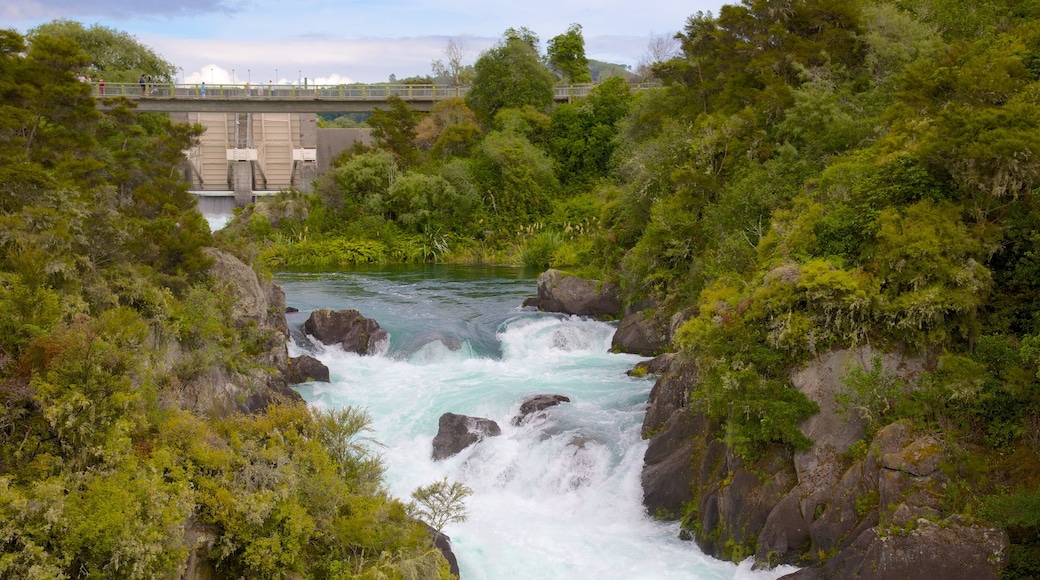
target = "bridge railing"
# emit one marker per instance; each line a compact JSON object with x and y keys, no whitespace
{"x":406,"y":92}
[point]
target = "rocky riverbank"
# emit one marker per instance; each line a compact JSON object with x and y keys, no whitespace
{"x":845,"y":507}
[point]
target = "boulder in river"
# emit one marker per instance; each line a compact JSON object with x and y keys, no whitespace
{"x":641,"y":333}
{"x":305,"y":368}
{"x":536,"y":403}
{"x":347,"y":328}
{"x":559,"y":292}
{"x":457,"y":432}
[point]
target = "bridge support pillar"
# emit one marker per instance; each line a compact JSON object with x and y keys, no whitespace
{"x":308,"y":171}
{"x":242,"y":176}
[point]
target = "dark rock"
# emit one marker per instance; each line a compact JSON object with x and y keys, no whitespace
{"x":749,"y":496}
{"x":640,"y":334}
{"x":559,"y":292}
{"x":347,"y":328}
{"x":276,"y":309}
{"x":944,"y":550}
{"x":658,"y":365}
{"x":457,"y":432}
{"x":442,"y":542}
{"x":668,"y":394}
{"x":668,"y":465}
{"x":536,"y":403}
{"x":305,"y":368}
{"x":291,"y":310}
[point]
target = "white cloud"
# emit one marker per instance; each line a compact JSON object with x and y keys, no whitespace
{"x":364,"y":40}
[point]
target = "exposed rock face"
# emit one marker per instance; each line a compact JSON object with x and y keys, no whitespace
{"x":641,"y":333}
{"x":347,"y":328}
{"x":443,"y":543}
{"x":669,"y":392}
{"x":559,"y":292}
{"x":537,"y":403}
{"x":457,"y":432}
{"x":219,"y":389}
{"x":874,"y":518}
{"x":251,"y":304}
{"x":668,"y":464}
{"x":931,"y":550}
{"x":306,"y":368}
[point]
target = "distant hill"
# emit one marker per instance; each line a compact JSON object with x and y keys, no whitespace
{"x":602,"y":71}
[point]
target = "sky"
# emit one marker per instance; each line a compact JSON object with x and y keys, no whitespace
{"x":222,"y":41}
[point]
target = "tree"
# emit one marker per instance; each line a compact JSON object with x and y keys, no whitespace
{"x":115,"y":55}
{"x":659,"y":48}
{"x":566,"y":53}
{"x":454,"y":52}
{"x":510,"y":75}
{"x":394,"y":129}
{"x":583,"y":135}
{"x":440,"y":503}
{"x":450,"y":129}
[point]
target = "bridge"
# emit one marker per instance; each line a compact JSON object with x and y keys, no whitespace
{"x":268,"y":98}
{"x":264,"y":137}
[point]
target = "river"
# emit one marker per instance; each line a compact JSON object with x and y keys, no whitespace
{"x":557,"y":497}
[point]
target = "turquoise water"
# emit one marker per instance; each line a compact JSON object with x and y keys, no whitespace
{"x":557,"y":497}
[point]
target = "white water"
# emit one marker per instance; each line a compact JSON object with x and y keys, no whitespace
{"x":218,"y":211}
{"x":559,"y":496}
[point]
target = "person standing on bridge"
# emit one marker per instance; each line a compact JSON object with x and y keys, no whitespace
{"x":202,"y":90}
{"x":142,"y":85}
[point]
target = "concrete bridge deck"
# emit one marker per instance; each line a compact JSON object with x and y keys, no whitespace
{"x":247,"y":98}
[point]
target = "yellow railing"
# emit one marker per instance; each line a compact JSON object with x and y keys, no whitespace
{"x":406,"y":92}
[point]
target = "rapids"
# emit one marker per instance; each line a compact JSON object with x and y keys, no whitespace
{"x":556,"y":497}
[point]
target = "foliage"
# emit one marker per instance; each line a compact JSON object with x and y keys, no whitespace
{"x":394,"y":129}
{"x":107,"y":315}
{"x":582,"y":137}
{"x":115,"y":56}
{"x":518,"y":177}
{"x":510,"y":75}
{"x":440,"y":503}
{"x":871,"y":394}
{"x":566,"y":53}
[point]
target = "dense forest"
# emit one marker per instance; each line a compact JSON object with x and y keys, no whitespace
{"x":109,"y":317}
{"x":811,"y":175}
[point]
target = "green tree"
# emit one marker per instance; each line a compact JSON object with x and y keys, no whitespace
{"x":566,"y":53}
{"x":394,"y":129}
{"x":440,"y":503}
{"x":583,"y":136}
{"x":518,"y":179}
{"x":510,"y":74}
{"x":115,"y":55}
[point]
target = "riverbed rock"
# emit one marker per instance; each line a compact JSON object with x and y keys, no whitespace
{"x":669,"y":392}
{"x":536,"y":404}
{"x":668,"y":466}
{"x":348,"y":329}
{"x":838,"y":517}
{"x":641,"y":333}
{"x":457,"y":432}
{"x":305,"y":368}
{"x":949,"y":549}
{"x":559,"y":292}
{"x":442,"y":542}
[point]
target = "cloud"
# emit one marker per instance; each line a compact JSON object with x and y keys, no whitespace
{"x":76,"y":9}
{"x":362,"y":60}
